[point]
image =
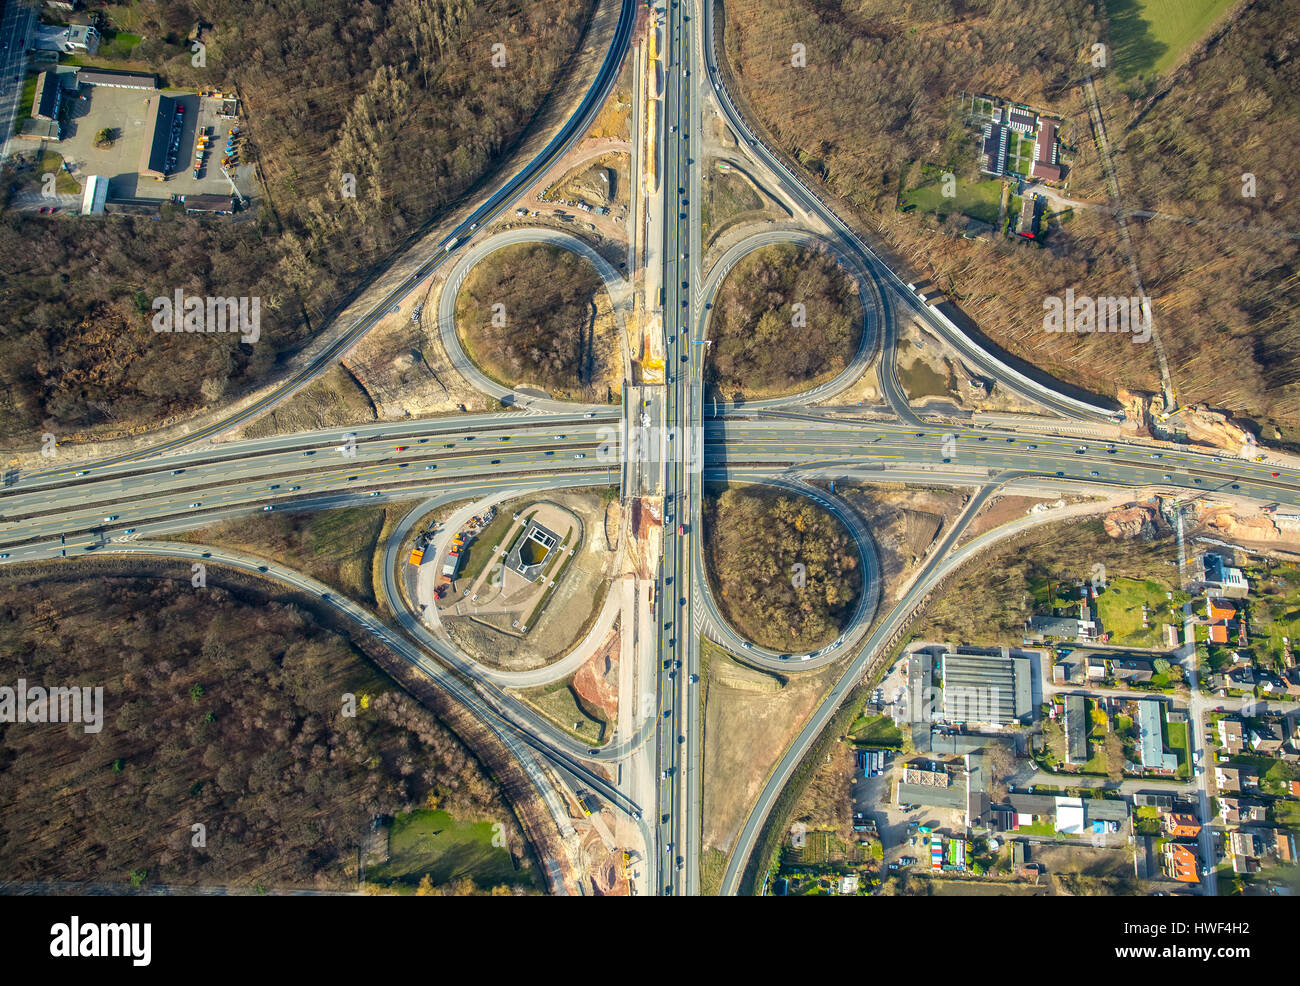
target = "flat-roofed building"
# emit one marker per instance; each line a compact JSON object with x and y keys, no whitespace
{"x":1151,"y":737}
{"x":985,"y":688}
{"x":1076,"y":730}
{"x":95,"y":196}
{"x":157,"y":133}
{"x":48,"y":96}
{"x":66,"y":39}
{"x":119,"y":80}
{"x":212,"y":205}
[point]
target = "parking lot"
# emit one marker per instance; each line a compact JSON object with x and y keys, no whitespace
{"x":125,"y":111}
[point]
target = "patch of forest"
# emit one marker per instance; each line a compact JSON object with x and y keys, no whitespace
{"x":785,"y":573}
{"x":404,"y":97}
{"x":990,"y":598}
{"x":220,"y":709}
{"x":877,"y":101}
{"x":544,"y":332}
{"x":785,"y":317}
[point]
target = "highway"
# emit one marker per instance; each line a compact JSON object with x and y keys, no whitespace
{"x":572,"y":131}
{"x":127,"y":504}
{"x":678,"y":709}
{"x":15,"y":30}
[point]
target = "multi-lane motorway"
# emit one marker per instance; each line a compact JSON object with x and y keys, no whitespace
{"x":122,"y":504}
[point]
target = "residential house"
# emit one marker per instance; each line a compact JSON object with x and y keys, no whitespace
{"x":1154,"y":799}
{"x":1284,"y":846}
{"x":1218,"y":633}
{"x":1180,"y":862}
{"x":1224,"y":580}
{"x":66,"y":40}
{"x":1217,"y":610}
{"x":1243,"y":678}
{"x":1046,"y":167}
{"x":1265,"y":738}
{"x":1240,"y":811}
{"x":1234,"y":779}
{"x":1180,"y":825}
{"x":1246,"y":847}
{"x":1132,"y":668}
{"x":1063,"y":627}
{"x":1231,"y":736}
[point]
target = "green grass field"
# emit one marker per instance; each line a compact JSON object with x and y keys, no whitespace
{"x":876,"y":731}
{"x":560,"y":703}
{"x":1176,"y":741}
{"x":119,"y":46}
{"x":478,"y":553}
{"x":1119,"y":607}
{"x":1150,"y":36}
{"x":979,"y":199}
{"x":433,"y":842}
{"x":1274,"y":607}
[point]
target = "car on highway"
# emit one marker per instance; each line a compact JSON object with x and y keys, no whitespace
{"x":1059,"y":473}
{"x":292,"y":488}
{"x":681,"y":529}
{"x":196,"y":503}
{"x":1094,"y":473}
{"x":374,"y":492}
{"x":1167,"y":478}
{"x":177,"y":472}
{"x":310,"y":451}
{"x":129,"y":530}
{"x":86,"y":472}
{"x":1274,"y":475}
{"x":111,"y":517}
{"x":504,"y":438}
{"x":695,"y":679}
{"x":580,"y":455}
{"x":431,"y":465}
{"x":4,"y":554}
{"x":269,"y":507}
{"x":400,"y":448}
